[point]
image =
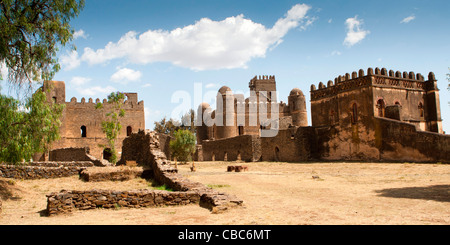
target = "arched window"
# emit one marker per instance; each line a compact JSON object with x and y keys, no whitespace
{"x":332,"y":119}
{"x":381,"y":106}
{"x":129,"y":130}
{"x":354,"y":113}
{"x":420,"y":107}
{"x":83,"y":131}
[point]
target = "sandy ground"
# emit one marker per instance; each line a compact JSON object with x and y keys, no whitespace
{"x":273,"y":193}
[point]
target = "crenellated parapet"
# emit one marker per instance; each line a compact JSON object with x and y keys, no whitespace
{"x":377,"y":78}
{"x":130,"y":102}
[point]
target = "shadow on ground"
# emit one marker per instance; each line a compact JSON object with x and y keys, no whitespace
{"x":440,"y":193}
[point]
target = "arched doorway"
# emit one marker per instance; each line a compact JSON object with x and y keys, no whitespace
{"x":277,"y":154}
{"x":83,"y":131}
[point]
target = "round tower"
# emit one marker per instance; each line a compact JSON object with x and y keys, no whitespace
{"x":225,"y":114}
{"x":297,"y":108}
{"x":202,"y":130}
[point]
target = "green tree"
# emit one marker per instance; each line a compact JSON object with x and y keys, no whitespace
{"x":30,"y":33}
{"x":112,"y":126}
{"x":27,"y":128}
{"x":166,"y":126}
{"x":183,"y":145}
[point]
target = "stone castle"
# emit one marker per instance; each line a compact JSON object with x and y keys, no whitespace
{"x":81,"y":122}
{"x":379,"y":116}
{"x":373,"y":115}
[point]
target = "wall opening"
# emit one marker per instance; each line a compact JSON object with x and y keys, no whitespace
{"x":354,"y":113}
{"x":277,"y":154}
{"x":83,"y":131}
{"x":381,"y":107}
{"x":129,"y":130}
{"x":107,"y":154}
{"x":420,"y":107}
{"x":241,"y":130}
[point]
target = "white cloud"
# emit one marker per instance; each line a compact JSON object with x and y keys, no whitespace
{"x":80,"y":33}
{"x":335,"y":52}
{"x":78,"y":81}
{"x":211,"y":85}
{"x":96,"y":91}
{"x":205,"y":45}
{"x":408,"y":19}
{"x":125,"y":75}
{"x":70,"y":60}
{"x":146,"y":85}
{"x":355,"y":33}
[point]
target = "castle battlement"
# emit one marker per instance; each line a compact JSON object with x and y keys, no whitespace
{"x":377,"y":78}
{"x":129,"y":103}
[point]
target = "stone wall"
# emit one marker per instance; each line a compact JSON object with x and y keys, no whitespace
{"x":296,"y":144}
{"x":120,"y":173}
{"x":244,"y":147}
{"x":67,"y":201}
{"x":75,"y":154}
{"x":43,"y":170}
{"x":144,"y":148}
{"x":398,"y":141}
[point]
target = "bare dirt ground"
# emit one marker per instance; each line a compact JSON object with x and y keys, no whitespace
{"x":273,"y":193}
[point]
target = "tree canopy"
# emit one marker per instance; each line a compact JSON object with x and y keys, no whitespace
{"x":30,"y":33}
{"x":183,"y":145}
{"x":27,"y":128}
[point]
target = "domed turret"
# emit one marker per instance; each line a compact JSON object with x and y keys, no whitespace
{"x":297,"y":107}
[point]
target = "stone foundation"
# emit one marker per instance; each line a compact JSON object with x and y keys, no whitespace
{"x":110,"y":173}
{"x":67,"y":201}
{"x":43,"y":170}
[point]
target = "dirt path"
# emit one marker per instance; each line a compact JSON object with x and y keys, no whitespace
{"x":273,"y":193}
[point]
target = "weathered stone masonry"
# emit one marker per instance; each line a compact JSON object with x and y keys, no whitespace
{"x":43,"y":170}
{"x":143,"y":147}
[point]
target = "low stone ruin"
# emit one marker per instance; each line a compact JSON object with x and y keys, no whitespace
{"x":237,"y":168}
{"x":144,"y":149}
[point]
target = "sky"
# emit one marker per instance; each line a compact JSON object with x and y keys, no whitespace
{"x":175,"y":54}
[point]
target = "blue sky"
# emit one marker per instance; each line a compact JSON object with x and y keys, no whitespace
{"x":163,"y":49}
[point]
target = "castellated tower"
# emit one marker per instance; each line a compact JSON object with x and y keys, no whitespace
{"x":265,"y":84}
{"x":81,"y":121}
{"x":297,"y":108}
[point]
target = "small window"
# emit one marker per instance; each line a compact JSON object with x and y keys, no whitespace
{"x":129,"y":130}
{"x":83,"y":131}
{"x":241,"y":130}
{"x":54,"y":99}
{"x":420,"y":107}
{"x":381,"y":106}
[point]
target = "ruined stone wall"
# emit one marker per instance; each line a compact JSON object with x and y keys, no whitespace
{"x":399,"y":141}
{"x":43,"y":170}
{"x":150,"y":157}
{"x":68,"y":201}
{"x":245,"y":147}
